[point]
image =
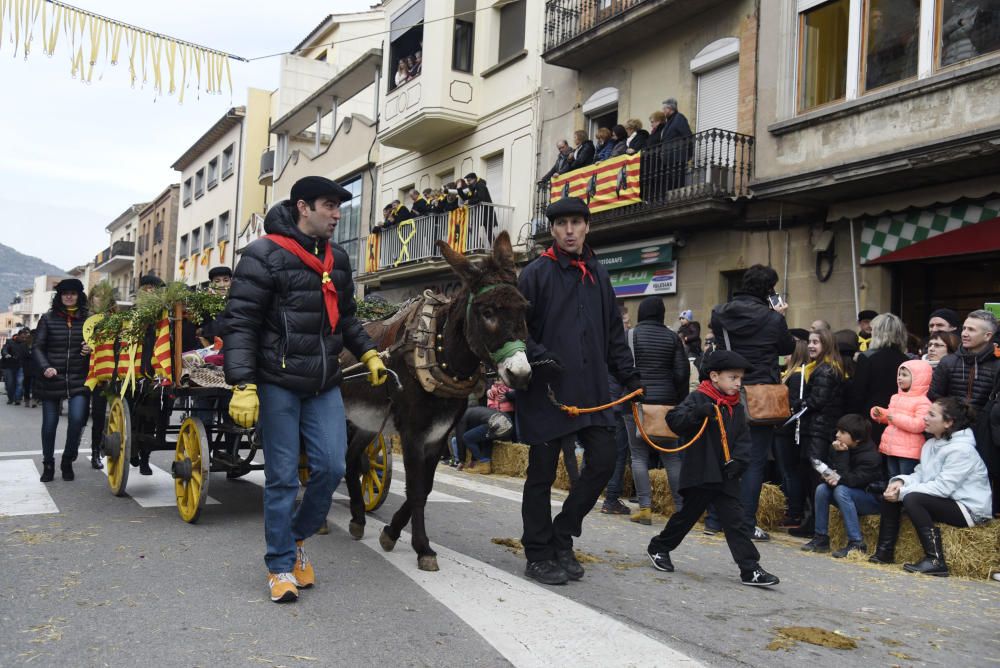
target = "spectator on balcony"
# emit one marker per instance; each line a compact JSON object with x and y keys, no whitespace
{"x":637,"y":137}
{"x":418,"y":64}
{"x":583,"y":154}
{"x":620,"y":141}
{"x":473,"y":190}
{"x":604,"y":144}
{"x":675,"y":134}
{"x":400,"y":212}
{"x":450,"y":202}
{"x":676,"y":125}
{"x":402,"y":75}
{"x":657,"y":122}
{"x":420,"y":206}
{"x":562,"y":162}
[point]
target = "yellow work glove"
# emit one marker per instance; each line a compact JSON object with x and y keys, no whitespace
{"x":376,"y":370}
{"x":244,"y":406}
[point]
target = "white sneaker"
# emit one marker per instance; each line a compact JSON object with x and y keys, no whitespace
{"x":760,"y":535}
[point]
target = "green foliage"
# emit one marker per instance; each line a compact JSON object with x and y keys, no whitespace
{"x":370,"y":309}
{"x":130,"y":326}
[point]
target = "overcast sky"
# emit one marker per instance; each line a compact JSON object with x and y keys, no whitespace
{"x":77,"y":155}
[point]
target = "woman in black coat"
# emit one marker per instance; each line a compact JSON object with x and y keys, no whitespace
{"x":874,"y":380}
{"x":824,"y":396}
{"x":64,"y":358}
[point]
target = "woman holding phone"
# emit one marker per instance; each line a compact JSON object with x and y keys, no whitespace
{"x":64,"y":358}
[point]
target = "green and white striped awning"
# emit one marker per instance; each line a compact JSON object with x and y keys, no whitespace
{"x":895,"y":231}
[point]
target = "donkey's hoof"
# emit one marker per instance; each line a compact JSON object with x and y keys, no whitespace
{"x":323,"y":529}
{"x":386,"y":542}
{"x":427,"y":562}
{"x":356,"y":529}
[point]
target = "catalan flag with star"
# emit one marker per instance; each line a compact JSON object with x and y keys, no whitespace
{"x":606,"y":185}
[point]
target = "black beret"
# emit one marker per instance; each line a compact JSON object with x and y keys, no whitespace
{"x":800,"y":334}
{"x":221,"y":270}
{"x":151,"y":279}
{"x":948,"y":315}
{"x":723,"y":360}
{"x":567,"y":206}
{"x":69,"y":285}
{"x":472,"y":176}
{"x":310,"y":187}
{"x":867,"y":315}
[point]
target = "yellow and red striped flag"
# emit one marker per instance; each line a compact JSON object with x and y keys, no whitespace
{"x":607,"y":185}
{"x":102,"y":365}
{"x":162,"y":361}
{"x":458,"y":228}
{"x":371,"y":259}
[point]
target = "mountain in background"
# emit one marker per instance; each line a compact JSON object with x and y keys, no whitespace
{"x":18,"y":271}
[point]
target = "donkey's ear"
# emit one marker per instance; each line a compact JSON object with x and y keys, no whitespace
{"x":465,"y":269}
{"x":503,"y":253}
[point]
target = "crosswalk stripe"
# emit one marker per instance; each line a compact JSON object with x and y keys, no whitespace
{"x":257,"y":478}
{"x":528,"y":624}
{"x":23,"y":494}
{"x":471,"y":485}
{"x":153,"y":491}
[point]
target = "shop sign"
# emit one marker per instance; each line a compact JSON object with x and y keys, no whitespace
{"x":653,"y":254}
{"x":655,"y":280}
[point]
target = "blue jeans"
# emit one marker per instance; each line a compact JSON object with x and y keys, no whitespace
{"x":480,"y":446}
{"x":851,"y":501}
{"x":617,"y":482}
{"x":900,"y":465}
{"x":317,"y":421}
{"x":14,"y":380}
{"x":642,"y":455}
{"x":77,"y":409}
{"x":787,"y":453}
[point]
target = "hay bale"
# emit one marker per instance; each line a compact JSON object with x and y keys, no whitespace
{"x":771,"y":508}
{"x":510,"y":458}
{"x":969,"y":552}
{"x":662,"y":499}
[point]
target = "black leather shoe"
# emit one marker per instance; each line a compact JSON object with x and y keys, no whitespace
{"x":661,"y":561}
{"x":67,"y":470}
{"x":48,"y":472}
{"x":820,"y":543}
{"x":852,"y":546}
{"x":144,"y":467}
{"x":568,"y":561}
{"x":547,"y":572}
{"x":95,"y":462}
{"x":933,"y":562}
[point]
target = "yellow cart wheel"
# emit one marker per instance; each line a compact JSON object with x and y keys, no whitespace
{"x":376,"y":479}
{"x":118,"y":444}
{"x":190,"y":469}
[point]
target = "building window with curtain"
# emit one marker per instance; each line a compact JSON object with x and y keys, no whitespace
{"x":512,"y":18}
{"x":406,"y":39}
{"x":891,"y":47}
{"x":823,"y":36}
{"x":968,"y":29}
{"x":348,"y":231}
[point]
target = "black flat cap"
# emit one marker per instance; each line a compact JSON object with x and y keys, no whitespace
{"x":310,"y":187}
{"x":867,"y":315}
{"x":948,"y":315}
{"x":472,"y":176}
{"x":723,"y":360}
{"x":151,"y":279}
{"x":69,"y":285}
{"x":221,"y":270}
{"x":567,"y":206}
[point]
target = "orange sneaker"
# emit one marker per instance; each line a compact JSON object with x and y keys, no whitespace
{"x":303,"y":572}
{"x":283,"y":587}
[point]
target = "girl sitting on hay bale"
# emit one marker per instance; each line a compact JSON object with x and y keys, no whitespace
{"x":948,"y":485}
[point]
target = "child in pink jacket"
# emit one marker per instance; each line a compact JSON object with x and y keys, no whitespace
{"x":904,"y":437}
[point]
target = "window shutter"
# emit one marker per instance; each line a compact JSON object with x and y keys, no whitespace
{"x":494,"y":177}
{"x":718,"y":97}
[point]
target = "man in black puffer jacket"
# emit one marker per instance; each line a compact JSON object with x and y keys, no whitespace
{"x":758,"y":332}
{"x":290,"y":313}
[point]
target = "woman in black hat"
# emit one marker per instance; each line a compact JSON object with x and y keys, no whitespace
{"x":63,"y":357}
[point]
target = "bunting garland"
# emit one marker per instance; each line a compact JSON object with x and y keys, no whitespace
{"x":151,"y":54}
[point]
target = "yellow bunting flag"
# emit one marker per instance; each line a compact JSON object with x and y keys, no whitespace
{"x":222,"y":250}
{"x":206,"y":257}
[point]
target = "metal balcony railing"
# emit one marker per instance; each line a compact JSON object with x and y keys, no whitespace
{"x":117,"y":249}
{"x":567,"y":19}
{"x":711,"y":164}
{"x":399,"y":244}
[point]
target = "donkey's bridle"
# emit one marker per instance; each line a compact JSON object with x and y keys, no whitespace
{"x":508,"y":349}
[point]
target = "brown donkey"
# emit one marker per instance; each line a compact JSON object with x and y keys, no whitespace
{"x":438,"y":356}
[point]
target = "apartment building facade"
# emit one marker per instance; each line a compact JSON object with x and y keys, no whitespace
{"x":117,"y":261}
{"x":156,"y":248}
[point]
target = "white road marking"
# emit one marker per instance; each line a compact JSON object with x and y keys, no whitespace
{"x":466,"y":482}
{"x":153,"y":491}
{"x":23,"y":494}
{"x":528,"y":624}
{"x":257,"y":478}
{"x":26,"y":453}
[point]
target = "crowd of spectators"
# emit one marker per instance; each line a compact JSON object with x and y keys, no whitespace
{"x":408,"y":67}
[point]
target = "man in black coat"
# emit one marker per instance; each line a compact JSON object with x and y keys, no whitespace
{"x":474,"y":191}
{"x":750,"y":326}
{"x":419,"y":204}
{"x":15,"y":354}
{"x":583,"y":154}
{"x":575,"y":337}
{"x":712,"y":467}
{"x":678,"y":149}
{"x":291,"y":311}
{"x":562,"y":164}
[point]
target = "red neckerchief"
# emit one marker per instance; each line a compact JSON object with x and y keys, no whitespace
{"x":580,"y":263}
{"x":710,"y":391}
{"x":322,"y":268}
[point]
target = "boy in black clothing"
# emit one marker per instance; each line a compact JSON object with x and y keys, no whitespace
{"x":854,"y":464}
{"x":713,"y":465}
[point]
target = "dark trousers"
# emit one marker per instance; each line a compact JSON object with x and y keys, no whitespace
{"x":617,"y":481}
{"x":542,"y":534}
{"x":787,"y":453}
{"x":77,"y":407}
{"x":730,"y":514}
{"x":925,"y":509}
{"x":98,"y":419}
{"x":568,"y":446}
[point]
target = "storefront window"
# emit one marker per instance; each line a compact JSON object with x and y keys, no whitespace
{"x":823,"y":54}
{"x":892,"y":29}
{"x":969,"y":28}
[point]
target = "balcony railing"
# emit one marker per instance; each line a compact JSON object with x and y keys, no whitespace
{"x":566,"y":19}
{"x":713,"y":164}
{"x":115,"y":256}
{"x":473,"y":231}
{"x":266,"y":176}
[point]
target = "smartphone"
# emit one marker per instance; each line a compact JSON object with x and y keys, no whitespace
{"x":776,"y":300}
